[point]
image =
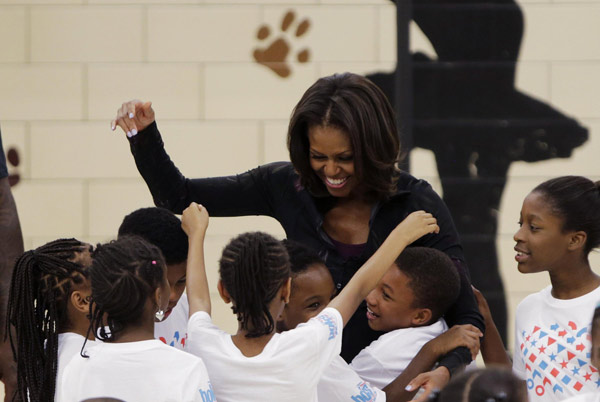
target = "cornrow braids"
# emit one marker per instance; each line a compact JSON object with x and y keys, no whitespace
{"x":124,"y":274}
{"x":253,"y":267}
{"x":42,"y":282}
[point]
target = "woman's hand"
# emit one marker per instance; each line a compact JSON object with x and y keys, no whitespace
{"x":194,"y":220}
{"x":133,"y":116}
{"x":429,"y":381}
{"x":466,"y":335}
{"x":416,"y":225}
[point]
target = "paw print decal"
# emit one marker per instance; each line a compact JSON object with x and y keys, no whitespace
{"x":12,"y":156}
{"x":275,"y":54}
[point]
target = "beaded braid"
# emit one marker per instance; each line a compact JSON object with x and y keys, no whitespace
{"x":253,"y":268}
{"x":41,"y":284}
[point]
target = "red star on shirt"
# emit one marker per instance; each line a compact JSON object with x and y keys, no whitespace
{"x":542,"y":349}
{"x":564,"y":364}
{"x":588,"y":376}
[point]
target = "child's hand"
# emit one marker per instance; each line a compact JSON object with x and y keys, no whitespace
{"x":416,"y":225}
{"x":429,"y":381}
{"x":194,"y":220}
{"x":133,"y":116}
{"x":459,"y":335}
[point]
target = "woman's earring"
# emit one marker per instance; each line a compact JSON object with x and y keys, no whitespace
{"x":160,"y":314}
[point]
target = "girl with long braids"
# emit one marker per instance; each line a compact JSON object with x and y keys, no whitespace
{"x":129,"y":290}
{"x":257,"y":364}
{"x":48,"y":311}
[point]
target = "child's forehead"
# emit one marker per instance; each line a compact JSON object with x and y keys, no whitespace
{"x":316,"y":273}
{"x":396,"y":279}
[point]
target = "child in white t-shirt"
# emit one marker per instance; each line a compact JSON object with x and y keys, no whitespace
{"x":256,"y":363}
{"x":129,"y":288}
{"x":162,"y":228}
{"x":48,"y":307}
{"x":312,"y":288}
{"x":559,"y":226}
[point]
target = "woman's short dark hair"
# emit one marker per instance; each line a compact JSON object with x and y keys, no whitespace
{"x":356,"y":106}
{"x":576,"y":200}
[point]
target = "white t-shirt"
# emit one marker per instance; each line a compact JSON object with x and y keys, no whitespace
{"x":340,"y":383}
{"x":387,"y":357}
{"x":173,"y":330}
{"x":288,"y":368}
{"x":69,"y":345}
{"x":590,"y":397}
{"x":553,"y":345}
{"x":136,"y":371}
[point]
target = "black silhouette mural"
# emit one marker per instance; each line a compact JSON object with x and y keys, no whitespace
{"x":466,"y":109}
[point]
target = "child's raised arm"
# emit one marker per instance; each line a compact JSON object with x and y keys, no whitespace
{"x":365,"y":279}
{"x":194,"y":222}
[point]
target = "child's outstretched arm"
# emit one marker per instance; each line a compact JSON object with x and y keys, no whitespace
{"x":415,"y":225}
{"x":194,"y":222}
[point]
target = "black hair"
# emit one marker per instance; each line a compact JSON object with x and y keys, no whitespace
{"x":42,"y":282}
{"x":253,"y":267}
{"x":124,"y":274}
{"x":493,"y":384}
{"x":432,"y":278}
{"x":160,"y":227}
{"x":301,"y":257}
{"x":576,"y":200}
{"x":358,"y":107}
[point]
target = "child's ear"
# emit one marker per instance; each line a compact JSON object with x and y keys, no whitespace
{"x":223,"y":292}
{"x":421,"y":317}
{"x":577,"y":240}
{"x":80,"y":299}
{"x":286,"y":290}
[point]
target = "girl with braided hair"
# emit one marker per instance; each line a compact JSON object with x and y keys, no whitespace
{"x":48,"y":311}
{"x":129,"y":291}
{"x":258,"y":364}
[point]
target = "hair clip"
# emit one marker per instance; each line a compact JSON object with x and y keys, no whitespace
{"x":153,"y":262}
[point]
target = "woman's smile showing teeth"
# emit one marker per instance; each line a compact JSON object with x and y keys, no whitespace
{"x":335,"y":183}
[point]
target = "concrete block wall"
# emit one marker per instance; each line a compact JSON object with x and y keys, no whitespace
{"x":67,"y":65}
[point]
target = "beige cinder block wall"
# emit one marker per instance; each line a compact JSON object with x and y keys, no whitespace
{"x":67,"y":65}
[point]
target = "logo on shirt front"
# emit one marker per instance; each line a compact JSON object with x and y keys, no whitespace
{"x":366,"y":394}
{"x":208,"y":395}
{"x":333,"y":330}
{"x":557,"y":360}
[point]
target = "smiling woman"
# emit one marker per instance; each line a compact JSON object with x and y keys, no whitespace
{"x":341,"y":195}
